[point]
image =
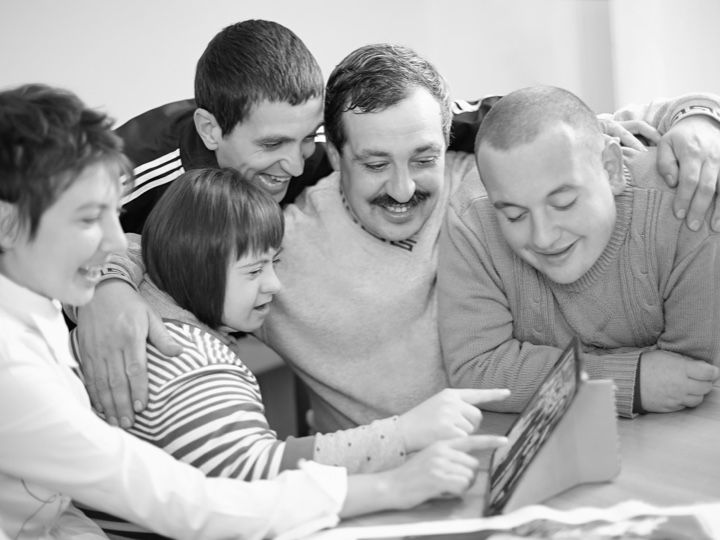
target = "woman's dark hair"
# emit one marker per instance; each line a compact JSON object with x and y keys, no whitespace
{"x":48,"y":136}
{"x":205,"y":220}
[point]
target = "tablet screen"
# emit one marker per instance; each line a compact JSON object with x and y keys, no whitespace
{"x":532,"y":428}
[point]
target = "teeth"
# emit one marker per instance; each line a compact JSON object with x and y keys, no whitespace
{"x":398,"y":209}
{"x":274,"y":179}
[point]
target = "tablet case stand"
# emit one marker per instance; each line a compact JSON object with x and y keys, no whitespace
{"x":583,"y":447}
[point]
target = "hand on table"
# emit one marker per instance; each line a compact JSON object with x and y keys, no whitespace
{"x":450,"y":413}
{"x":670,"y":382}
{"x":112,"y":333}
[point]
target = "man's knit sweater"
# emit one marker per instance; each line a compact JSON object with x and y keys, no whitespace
{"x":503,"y":323}
{"x":357,"y":316}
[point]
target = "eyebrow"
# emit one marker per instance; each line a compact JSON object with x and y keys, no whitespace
{"x":499,"y":205}
{"x":264,"y":260}
{"x":284,"y":138}
{"x":431,"y":147}
{"x":92,"y":206}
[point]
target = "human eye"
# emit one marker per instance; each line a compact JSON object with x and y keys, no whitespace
{"x":89,"y":219}
{"x":375,"y":166}
{"x":428,"y":161}
{"x":515,"y":217}
{"x":270,"y":145}
{"x":564,"y":203}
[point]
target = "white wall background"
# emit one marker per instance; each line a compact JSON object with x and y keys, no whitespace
{"x":130,"y":55}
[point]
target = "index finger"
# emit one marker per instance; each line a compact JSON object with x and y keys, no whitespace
{"x":478,"y":395}
{"x":477,"y":442}
{"x":628,"y":139}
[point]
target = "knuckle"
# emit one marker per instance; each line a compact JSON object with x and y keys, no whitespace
{"x":134,"y":369}
{"x":116,"y":383}
{"x":100,"y":383}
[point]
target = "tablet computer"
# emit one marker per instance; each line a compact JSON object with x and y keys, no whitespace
{"x":532,"y":428}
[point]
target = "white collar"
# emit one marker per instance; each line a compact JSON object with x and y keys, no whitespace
{"x":38,"y":313}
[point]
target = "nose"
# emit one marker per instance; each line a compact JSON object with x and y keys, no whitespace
{"x":293,"y":162}
{"x":544,"y":232}
{"x":113,"y":240}
{"x":271,"y":283}
{"x":401,"y":186}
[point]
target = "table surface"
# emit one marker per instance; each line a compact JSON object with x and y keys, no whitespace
{"x":666,"y":460}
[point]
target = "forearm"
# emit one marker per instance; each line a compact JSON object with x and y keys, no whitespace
{"x":375,"y":447}
{"x":662,"y":114}
{"x":51,"y":440}
{"x":691,"y":296}
{"x":476,"y":323}
{"x":369,"y":493}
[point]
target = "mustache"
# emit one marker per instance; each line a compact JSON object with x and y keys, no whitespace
{"x":387,"y":200}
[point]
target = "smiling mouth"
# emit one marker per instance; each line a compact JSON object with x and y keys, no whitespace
{"x":273,"y":181}
{"x":394,"y":208}
{"x":555,"y":254}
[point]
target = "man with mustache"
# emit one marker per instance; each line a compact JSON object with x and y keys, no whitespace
{"x":357,"y":317}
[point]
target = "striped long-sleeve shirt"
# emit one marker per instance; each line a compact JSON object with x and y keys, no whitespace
{"x":205,"y":408}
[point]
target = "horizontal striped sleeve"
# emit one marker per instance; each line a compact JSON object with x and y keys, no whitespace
{"x":205,"y":408}
{"x":154,"y":173}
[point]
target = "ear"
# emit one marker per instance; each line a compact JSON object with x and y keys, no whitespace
{"x":9,"y":225}
{"x":208,"y":128}
{"x":333,"y":155}
{"x":612,"y":161}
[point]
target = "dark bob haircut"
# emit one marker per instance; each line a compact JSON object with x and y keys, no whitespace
{"x":252,"y":61}
{"x":205,"y":220}
{"x":48,"y":137}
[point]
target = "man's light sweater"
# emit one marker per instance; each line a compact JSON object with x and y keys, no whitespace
{"x":503,"y":323}
{"x":357,"y":316}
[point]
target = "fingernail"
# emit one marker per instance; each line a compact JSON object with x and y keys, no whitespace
{"x":694,"y":225}
{"x":125,"y":422}
{"x":680,"y":214}
{"x":138,"y":406}
{"x":112,"y":421}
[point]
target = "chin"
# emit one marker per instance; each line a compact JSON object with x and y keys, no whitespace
{"x":396,"y":233}
{"x":77,"y":298}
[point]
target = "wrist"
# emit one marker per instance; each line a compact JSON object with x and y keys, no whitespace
{"x":403,"y":429}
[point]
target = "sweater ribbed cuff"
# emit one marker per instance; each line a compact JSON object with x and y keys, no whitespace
{"x":695,"y":107}
{"x":621,"y":368}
